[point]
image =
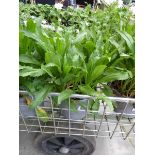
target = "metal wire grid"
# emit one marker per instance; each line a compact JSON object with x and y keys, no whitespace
{"x":107,"y":124}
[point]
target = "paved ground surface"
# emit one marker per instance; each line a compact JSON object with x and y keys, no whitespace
{"x":104,"y":146}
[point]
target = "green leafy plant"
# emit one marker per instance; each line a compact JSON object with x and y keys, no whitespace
{"x":76,"y":56}
{"x":125,"y":88}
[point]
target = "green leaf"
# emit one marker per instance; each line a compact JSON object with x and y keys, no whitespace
{"x":67,"y":69}
{"x":39,"y":96}
{"x":52,"y":60}
{"x":95,"y":105}
{"x":114,"y":43}
{"x":116,"y":75}
{"x":87,"y":90}
{"x":80,"y":37}
{"x":73,"y":106}
{"x":109,"y":103}
{"x":28,"y":59}
{"x":51,"y":65}
{"x":60,"y":46}
{"x":64,"y":95}
{"x":39,"y":36}
{"x":96,"y":73}
{"x":68,"y":77}
{"x":105,"y":99}
{"x":58,"y":81}
{"x":42,"y":114}
{"x":107,"y":90}
{"x":46,"y":69}
{"x":128,"y":38}
{"x":31,"y":25}
{"x":90,"y":46}
{"x":30,"y":71}
{"x":49,"y":68}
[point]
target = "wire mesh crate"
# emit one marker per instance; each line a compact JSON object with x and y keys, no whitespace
{"x":100,"y":123}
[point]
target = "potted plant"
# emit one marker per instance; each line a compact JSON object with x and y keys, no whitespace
{"x":125,"y":88}
{"x":70,"y":61}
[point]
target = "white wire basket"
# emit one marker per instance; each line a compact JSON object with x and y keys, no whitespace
{"x":101,"y":123}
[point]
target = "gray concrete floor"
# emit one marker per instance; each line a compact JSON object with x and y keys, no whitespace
{"x":104,"y":146}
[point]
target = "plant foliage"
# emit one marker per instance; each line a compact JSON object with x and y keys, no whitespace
{"x":80,"y":49}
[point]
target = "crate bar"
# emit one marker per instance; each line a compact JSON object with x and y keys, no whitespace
{"x":72,"y":134}
{"x":119,"y":120}
{"x":121,"y":99}
{"x":85,"y":119}
{"x":131,"y":123}
{"x":101,"y":120}
{"x":39,"y":123}
{"x":107,"y":125}
{"x":69,"y":116}
{"x":45,"y":126}
{"x":129,"y":132}
{"x":121,"y":128}
{"x":31,"y":126}
{"x":95,"y":124}
{"x":24,"y":121}
{"x":31,"y":131}
{"x":89,"y":111}
{"x":80,"y":121}
{"x":97,"y":121}
{"x":78,"y":129}
{"x":52,"y":115}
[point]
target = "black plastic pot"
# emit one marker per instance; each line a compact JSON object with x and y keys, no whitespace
{"x":24,"y":110}
{"x":80,"y":112}
{"x":67,"y":113}
{"x":120,"y":107}
{"x":128,"y":112}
